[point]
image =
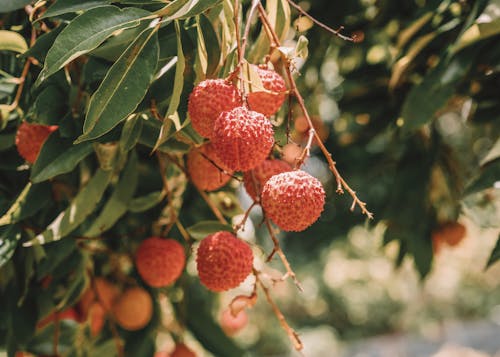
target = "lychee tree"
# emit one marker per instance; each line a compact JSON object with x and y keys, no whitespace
{"x":128,"y":130}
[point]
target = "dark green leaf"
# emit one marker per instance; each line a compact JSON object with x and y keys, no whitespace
{"x":7,"y":141}
{"x":42,"y":343}
{"x":490,"y":173}
{"x":50,"y":105}
{"x":61,"y":7}
{"x":130,"y":133}
{"x":495,"y":254}
{"x":8,"y":243}
{"x":10,"y":5}
{"x":143,"y":203}
{"x":183,"y":9}
{"x":201,"y":229}
{"x":42,"y":44}
{"x":29,"y":201}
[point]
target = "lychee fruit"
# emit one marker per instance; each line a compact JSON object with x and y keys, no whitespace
{"x":181,"y":350}
{"x":133,"y":309}
{"x":223,"y":261}
{"x":159,"y":261}
{"x":233,"y":324}
{"x":30,"y":139}
{"x":291,"y":153}
{"x":269,"y":100}
{"x":205,"y":168}
{"x":97,"y":318}
{"x":207,"y":100}
{"x":293,"y":200}
{"x":106,"y":291}
{"x":242,"y":138}
{"x":255,"y":179}
{"x":162,"y":354}
{"x":450,"y":233}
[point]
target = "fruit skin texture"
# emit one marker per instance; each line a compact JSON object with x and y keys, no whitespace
{"x":242,"y":138}
{"x":233,"y":324}
{"x":207,"y":100}
{"x":30,"y":138}
{"x":254,"y":180}
{"x":159,"y":261}
{"x":265,"y":102}
{"x":293,"y":200}
{"x":181,"y":350}
{"x":203,"y":173}
{"x":133,"y":309}
{"x":223,"y":261}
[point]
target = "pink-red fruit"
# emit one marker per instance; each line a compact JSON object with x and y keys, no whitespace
{"x":207,"y":100}
{"x":233,"y":324}
{"x":30,"y":138}
{"x":205,"y":174}
{"x":254,"y":180}
{"x":293,"y":200}
{"x":268,"y":102}
{"x":160,"y":261}
{"x":133,"y":309}
{"x":223,"y":261}
{"x":181,"y":350}
{"x":242,"y":138}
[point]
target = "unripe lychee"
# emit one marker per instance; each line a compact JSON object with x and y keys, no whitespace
{"x":242,"y":138}
{"x":160,"y":261}
{"x":255,"y":179}
{"x":30,"y":138}
{"x":133,"y":309}
{"x":207,"y":100}
{"x":233,"y":324}
{"x":268,"y":102}
{"x":181,"y":350}
{"x":106,"y":291}
{"x":293,"y":200}
{"x":223,"y":261}
{"x":205,"y":174}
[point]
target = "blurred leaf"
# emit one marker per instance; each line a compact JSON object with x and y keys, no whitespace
{"x":58,"y":156}
{"x":183,"y":9}
{"x":143,"y":203}
{"x":29,"y":201}
{"x":8,"y":243}
{"x":10,"y":5}
{"x":493,"y":154}
{"x":56,"y":253}
{"x":86,"y":32}
{"x":202,"y":229}
{"x":61,"y":7}
{"x":123,"y":87}
{"x":411,"y":30}
{"x":107,"y":154}
{"x":489,"y":174}
{"x":130,"y":133}
{"x":495,"y":254}
{"x":7,"y":141}
{"x":117,"y":204}
{"x":82,"y":205}
{"x":12,"y":41}
{"x":483,"y":208}
{"x":43,"y":342}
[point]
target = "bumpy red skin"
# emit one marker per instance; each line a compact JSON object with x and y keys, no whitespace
{"x":181,"y":350}
{"x":207,"y":100}
{"x":223,"y":261}
{"x":30,"y":138}
{"x":268,"y":103}
{"x":242,"y":138}
{"x":203,"y":173}
{"x":159,"y":261}
{"x":254,"y":180}
{"x":293,"y":200}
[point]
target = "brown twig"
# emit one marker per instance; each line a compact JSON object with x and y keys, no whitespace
{"x":238,"y":226}
{"x":307,"y":150}
{"x":212,"y":206}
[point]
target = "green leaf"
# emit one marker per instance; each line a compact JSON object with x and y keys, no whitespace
{"x":11,"y":5}
{"x":130,"y":133}
{"x":12,"y":41}
{"x":79,"y":209}
{"x":61,"y":7}
{"x":58,"y":156}
{"x":42,"y":342}
{"x":495,"y":254}
{"x":49,"y":106}
{"x":493,"y":154}
{"x":7,"y":141}
{"x":8,"y":243}
{"x":183,"y":9}
{"x":143,"y":203}
{"x":43,"y":43}
{"x":29,"y":201}
{"x":117,"y":204}
{"x":490,"y":173}
{"x":202,"y":229}
{"x":123,"y":87}
{"x":86,"y":32}
{"x":209,"y":44}
{"x":486,"y":25}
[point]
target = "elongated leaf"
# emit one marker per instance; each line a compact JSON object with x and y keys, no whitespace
{"x":82,"y":205}
{"x":183,"y":9}
{"x":495,"y":254}
{"x":12,"y":41}
{"x":61,"y":7}
{"x":123,"y":87}
{"x":58,"y":156}
{"x":10,"y":5}
{"x":130,"y":133}
{"x":43,"y":43}
{"x":86,"y":32}
{"x":8,"y":243}
{"x":201,"y":229}
{"x":143,"y":203}
{"x":117,"y":204}
{"x":29,"y":201}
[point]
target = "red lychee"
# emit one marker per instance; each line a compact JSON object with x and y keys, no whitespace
{"x":160,"y":261}
{"x":30,"y":138}
{"x":255,"y":179}
{"x":207,"y":100}
{"x":205,"y":174}
{"x":133,"y":309}
{"x":233,"y":324}
{"x":242,"y":138}
{"x":268,"y":102}
{"x":106,"y":291}
{"x":293,"y":200}
{"x":223,"y":261}
{"x":181,"y":350}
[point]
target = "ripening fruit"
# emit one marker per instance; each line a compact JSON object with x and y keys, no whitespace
{"x":255,"y":179}
{"x":181,"y":350}
{"x":293,"y":200}
{"x":97,"y":318}
{"x":268,"y":102}
{"x":162,"y":354}
{"x":291,"y":153}
{"x":30,"y":138}
{"x":450,"y":233}
{"x":223,"y":261}
{"x":160,"y":261}
{"x":207,"y":100}
{"x":233,"y":324}
{"x":133,"y":309}
{"x":242,"y":138}
{"x":107,"y":292}
{"x":203,"y":173}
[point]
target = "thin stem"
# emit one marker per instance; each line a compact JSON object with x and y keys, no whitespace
{"x":238,"y":226}
{"x":212,"y":206}
{"x":183,"y":231}
{"x":307,"y":150}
